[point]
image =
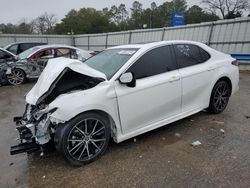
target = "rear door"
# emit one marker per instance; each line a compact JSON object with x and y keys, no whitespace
{"x":157,"y":94}
{"x":196,"y":75}
{"x":39,"y":60}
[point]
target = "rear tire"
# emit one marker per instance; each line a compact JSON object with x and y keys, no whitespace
{"x":84,"y":139}
{"x":219,"y":97}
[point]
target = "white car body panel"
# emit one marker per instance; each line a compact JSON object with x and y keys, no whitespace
{"x":55,"y":67}
{"x":153,"y":99}
{"x":154,"y":102}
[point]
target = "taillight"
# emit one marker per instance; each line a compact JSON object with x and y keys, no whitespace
{"x":236,"y":63}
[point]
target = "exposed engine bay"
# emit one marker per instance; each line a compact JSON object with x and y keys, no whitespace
{"x":35,"y":126}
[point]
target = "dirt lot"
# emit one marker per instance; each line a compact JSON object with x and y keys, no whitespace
{"x":161,"y":158}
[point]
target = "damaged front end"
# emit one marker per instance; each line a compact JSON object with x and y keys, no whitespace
{"x":36,"y":127}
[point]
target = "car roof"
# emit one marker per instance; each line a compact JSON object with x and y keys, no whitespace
{"x":154,"y":44}
{"x":57,"y":46}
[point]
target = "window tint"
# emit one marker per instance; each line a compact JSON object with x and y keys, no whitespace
{"x":24,"y":47}
{"x":13,"y":49}
{"x":188,"y":55}
{"x":154,"y":62}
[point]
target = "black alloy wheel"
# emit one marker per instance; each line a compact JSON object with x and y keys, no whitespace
{"x":220,"y":97}
{"x":85,"y":138}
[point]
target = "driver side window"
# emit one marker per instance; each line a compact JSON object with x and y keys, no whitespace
{"x":154,"y":62}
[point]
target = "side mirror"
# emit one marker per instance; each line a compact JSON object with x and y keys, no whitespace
{"x":128,"y":79}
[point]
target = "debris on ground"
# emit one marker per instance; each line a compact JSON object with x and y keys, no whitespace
{"x":177,"y":135}
{"x":11,"y":164}
{"x":44,"y":177}
{"x":196,"y":143}
{"x":163,"y":138}
{"x":219,"y":122}
{"x":140,"y":156}
{"x":191,"y":120}
{"x":222,"y":131}
{"x":134,"y":139}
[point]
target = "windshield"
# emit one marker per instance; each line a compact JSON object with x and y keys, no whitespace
{"x":110,"y":61}
{"x":28,"y":52}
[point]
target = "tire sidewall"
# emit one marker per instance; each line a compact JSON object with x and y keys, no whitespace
{"x":24,"y":76}
{"x":212,"y":108}
{"x":66,"y":130}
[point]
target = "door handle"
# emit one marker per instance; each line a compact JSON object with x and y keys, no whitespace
{"x":174,"y":79}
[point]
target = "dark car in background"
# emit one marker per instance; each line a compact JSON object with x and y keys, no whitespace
{"x":5,"y":58}
{"x":17,"y":48}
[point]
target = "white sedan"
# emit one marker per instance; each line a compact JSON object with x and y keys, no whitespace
{"x":123,"y":92}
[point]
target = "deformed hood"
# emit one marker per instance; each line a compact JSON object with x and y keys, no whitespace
{"x":53,"y":70}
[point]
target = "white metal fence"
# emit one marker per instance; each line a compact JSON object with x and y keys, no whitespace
{"x":6,"y":39}
{"x":230,"y":36}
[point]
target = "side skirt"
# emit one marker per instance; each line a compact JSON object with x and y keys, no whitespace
{"x":156,"y":125}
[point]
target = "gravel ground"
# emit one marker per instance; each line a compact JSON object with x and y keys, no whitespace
{"x":160,"y":158}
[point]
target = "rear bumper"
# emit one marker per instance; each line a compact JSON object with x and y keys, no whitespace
{"x":235,"y":80}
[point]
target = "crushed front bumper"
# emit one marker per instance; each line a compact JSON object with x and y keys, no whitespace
{"x":27,"y":144}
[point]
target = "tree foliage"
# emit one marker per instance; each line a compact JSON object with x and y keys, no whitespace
{"x":227,"y":8}
{"x":196,"y":14}
{"x":117,"y":18}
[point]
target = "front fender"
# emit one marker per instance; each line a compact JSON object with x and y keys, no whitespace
{"x":99,"y":98}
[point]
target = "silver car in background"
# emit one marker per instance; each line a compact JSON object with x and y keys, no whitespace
{"x":31,"y":62}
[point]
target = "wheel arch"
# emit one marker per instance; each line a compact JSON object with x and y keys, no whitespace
{"x":226,"y":79}
{"x":113,"y":126}
{"x":109,"y":118}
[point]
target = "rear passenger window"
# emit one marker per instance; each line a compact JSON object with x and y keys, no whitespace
{"x":154,"y":62}
{"x":188,"y":55}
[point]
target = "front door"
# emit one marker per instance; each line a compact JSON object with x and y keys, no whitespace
{"x":157,"y":94}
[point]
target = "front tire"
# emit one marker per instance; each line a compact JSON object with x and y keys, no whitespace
{"x":85,"y":138}
{"x":219,"y":97}
{"x":17,"y":77}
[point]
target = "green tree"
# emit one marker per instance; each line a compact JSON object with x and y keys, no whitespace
{"x":136,"y":16}
{"x":86,"y":20}
{"x":167,"y":8}
{"x":196,"y":14}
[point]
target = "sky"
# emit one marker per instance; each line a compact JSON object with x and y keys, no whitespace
{"x":14,"y":11}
